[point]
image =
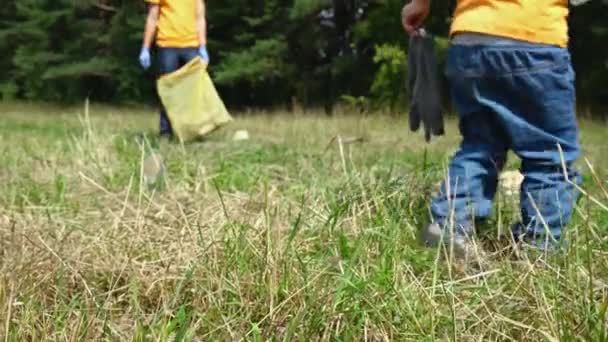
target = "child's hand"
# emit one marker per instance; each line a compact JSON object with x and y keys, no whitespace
{"x":414,"y":14}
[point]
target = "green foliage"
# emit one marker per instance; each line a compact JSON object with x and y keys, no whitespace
{"x":359,"y":104}
{"x":8,"y":91}
{"x":264,"y":53}
{"x":589,"y":33}
{"x":383,"y":24}
{"x":390,"y":82}
{"x":260,"y":63}
{"x":302,"y":8}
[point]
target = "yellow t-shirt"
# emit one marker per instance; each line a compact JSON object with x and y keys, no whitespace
{"x":535,"y":21}
{"x":176,"y":26}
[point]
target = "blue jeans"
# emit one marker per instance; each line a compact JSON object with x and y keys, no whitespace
{"x":170,"y":60}
{"x":518,"y":98}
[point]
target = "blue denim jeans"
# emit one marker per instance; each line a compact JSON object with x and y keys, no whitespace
{"x":519,"y":98}
{"x":170,"y":60}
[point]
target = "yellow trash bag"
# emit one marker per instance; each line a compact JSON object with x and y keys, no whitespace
{"x":191,"y":101}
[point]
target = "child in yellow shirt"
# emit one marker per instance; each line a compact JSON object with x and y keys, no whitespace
{"x":180,"y":30}
{"x":512,"y":84}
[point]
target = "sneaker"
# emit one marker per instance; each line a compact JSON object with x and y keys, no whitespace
{"x":461,"y":246}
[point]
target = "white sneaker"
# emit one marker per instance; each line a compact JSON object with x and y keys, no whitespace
{"x":460,"y":246}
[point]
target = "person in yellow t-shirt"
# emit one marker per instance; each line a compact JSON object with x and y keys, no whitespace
{"x":512,"y":83}
{"x":180,"y":30}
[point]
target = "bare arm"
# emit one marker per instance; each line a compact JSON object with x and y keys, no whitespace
{"x":201,"y":22}
{"x":151,"y":21}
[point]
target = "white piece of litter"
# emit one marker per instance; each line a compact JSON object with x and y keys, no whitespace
{"x":241,"y":135}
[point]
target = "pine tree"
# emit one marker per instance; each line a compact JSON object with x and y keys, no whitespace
{"x":8,"y":87}
{"x":62,"y":50}
{"x":255,"y":63}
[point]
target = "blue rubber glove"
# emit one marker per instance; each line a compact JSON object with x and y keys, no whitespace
{"x":202,"y":51}
{"x":144,"y":58}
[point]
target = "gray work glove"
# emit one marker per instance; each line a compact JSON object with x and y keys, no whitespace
{"x":423,"y":86}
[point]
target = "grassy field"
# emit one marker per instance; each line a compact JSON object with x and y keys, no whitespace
{"x":308,"y":231}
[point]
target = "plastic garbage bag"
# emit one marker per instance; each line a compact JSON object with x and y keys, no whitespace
{"x":192,"y":102}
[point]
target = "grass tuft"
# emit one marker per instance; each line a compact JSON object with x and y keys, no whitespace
{"x":308,"y":231}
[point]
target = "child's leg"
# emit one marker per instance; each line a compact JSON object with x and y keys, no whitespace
{"x":547,"y":196}
{"x":469,"y":189}
{"x":168,"y":59}
{"x":531,"y":90}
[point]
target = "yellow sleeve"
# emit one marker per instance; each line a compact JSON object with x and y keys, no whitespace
{"x":154,"y":2}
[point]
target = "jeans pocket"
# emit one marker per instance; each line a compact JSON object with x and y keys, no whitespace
{"x":464,"y":61}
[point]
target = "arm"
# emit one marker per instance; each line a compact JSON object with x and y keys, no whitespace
{"x":201,"y":22}
{"x":149,"y":32}
{"x":151,"y":22}
{"x":414,"y":14}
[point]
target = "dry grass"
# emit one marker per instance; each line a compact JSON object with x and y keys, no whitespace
{"x":306,"y":232}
